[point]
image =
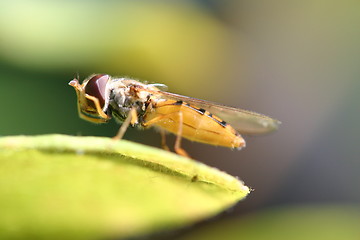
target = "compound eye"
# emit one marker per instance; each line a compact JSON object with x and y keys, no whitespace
{"x":96,"y":87}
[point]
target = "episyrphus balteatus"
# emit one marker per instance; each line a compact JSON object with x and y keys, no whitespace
{"x":101,"y":97}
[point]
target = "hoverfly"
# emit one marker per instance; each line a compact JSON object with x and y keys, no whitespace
{"x":101,"y":97}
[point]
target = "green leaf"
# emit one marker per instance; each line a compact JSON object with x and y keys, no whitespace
{"x":66,"y":187}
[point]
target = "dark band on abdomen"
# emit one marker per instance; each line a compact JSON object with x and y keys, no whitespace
{"x":202,"y":112}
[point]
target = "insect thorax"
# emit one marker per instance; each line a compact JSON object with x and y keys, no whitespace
{"x":123,"y":99}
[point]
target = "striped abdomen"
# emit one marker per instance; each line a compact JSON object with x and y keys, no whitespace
{"x":197,"y":124}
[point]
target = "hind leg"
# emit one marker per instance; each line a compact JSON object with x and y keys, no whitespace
{"x":177,"y":146}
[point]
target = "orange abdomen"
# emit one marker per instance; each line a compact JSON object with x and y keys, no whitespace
{"x":197,"y":124}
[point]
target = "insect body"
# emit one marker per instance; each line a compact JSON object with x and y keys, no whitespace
{"x":101,"y":97}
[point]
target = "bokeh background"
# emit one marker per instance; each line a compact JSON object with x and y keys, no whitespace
{"x":297,"y":61}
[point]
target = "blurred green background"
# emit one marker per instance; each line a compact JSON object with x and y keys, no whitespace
{"x":296,"y":61}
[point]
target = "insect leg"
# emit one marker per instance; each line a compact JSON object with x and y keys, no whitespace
{"x":177,"y":147}
{"x":134,"y":117}
{"x":97,"y":106}
{"x":131,"y":118}
{"x":163,"y":140}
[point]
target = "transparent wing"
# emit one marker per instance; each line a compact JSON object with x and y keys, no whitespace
{"x":245,"y":122}
{"x":160,"y":86}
